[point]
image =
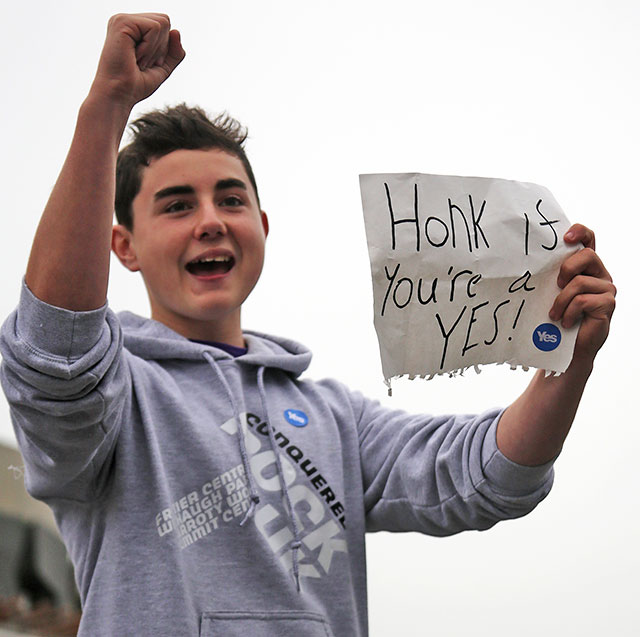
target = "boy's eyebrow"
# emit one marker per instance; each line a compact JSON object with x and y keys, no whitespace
{"x":173,"y":190}
{"x":231,"y":182}
{"x":222,"y":184}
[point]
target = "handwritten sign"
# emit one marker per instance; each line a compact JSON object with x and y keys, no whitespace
{"x":464,"y":273}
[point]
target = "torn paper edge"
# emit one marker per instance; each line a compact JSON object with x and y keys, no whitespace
{"x":460,"y":372}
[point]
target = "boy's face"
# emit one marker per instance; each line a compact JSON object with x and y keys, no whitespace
{"x":198,"y":239}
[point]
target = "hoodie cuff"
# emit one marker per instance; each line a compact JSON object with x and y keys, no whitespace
{"x":55,"y":330}
{"x":508,"y":477}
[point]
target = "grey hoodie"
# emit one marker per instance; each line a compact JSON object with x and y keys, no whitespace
{"x":201,"y":494}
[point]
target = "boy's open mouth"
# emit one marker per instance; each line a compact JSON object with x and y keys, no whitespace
{"x":208,"y":266}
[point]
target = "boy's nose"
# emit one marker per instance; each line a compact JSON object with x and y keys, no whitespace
{"x":209,"y":223}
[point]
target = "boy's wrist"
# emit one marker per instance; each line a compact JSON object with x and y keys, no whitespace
{"x":109,"y":115}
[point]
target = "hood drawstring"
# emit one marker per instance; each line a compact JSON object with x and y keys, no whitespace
{"x":296,"y":544}
{"x":254,"y":497}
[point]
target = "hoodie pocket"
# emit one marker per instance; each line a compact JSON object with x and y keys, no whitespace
{"x":264,"y":623}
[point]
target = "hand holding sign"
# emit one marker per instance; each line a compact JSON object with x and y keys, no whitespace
{"x":465,"y":270}
{"x":588,"y":294}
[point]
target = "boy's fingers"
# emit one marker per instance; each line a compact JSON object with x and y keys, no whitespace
{"x":578,"y":233}
{"x":167,"y":58}
{"x":161,"y":47}
{"x":583,"y":295}
{"x":152,"y":40}
{"x":584,"y":262}
{"x":594,"y":306}
{"x":175,"y":53}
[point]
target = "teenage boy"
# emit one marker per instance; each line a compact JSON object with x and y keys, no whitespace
{"x":200,"y":485}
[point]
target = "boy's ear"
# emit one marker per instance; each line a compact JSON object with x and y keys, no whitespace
{"x":265,"y":222}
{"x":122,"y":246}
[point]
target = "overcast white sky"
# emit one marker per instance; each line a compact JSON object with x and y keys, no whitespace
{"x":543,"y":91}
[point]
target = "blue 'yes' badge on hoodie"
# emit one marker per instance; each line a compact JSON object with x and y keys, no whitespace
{"x":296,"y":417}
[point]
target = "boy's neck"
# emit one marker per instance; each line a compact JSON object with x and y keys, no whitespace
{"x":225,"y":331}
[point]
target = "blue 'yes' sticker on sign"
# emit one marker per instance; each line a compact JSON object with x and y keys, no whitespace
{"x":546,"y":337}
{"x":296,"y":417}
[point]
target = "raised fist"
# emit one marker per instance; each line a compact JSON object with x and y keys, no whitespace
{"x":140,"y":52}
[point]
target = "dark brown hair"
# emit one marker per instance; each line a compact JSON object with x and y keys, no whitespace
{"x":159,"y":133}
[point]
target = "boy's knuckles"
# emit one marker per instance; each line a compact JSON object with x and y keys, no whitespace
{"x":580,"y":284}
{"x":584,"y":261}
{"x":162,"y":17}
{"x":609,"y":303}
{"x":118,"y":20}
{"x":154,"y":22}
{"x":587,"y":255}
{"x":114,"y":19}
{"x":585,"y":235}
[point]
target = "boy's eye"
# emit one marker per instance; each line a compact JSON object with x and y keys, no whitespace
{"x":178,"y":206}
{"x":232,"y":201}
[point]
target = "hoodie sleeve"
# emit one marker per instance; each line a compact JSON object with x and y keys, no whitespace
{"x":66,"y":384}
{"x":441,"y":475}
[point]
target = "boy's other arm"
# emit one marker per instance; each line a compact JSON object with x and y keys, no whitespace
{"x":69,"y":262}
{"x":532,"y":430}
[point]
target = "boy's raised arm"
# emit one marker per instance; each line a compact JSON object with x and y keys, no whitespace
{"x":69,"y":262}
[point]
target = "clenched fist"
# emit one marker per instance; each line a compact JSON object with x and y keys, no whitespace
{"x":140,"y":52}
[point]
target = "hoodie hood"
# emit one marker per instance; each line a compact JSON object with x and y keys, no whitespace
{"x":152,"y":340}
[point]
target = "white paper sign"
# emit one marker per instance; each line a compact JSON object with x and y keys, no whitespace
{"x":464,"y":273}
